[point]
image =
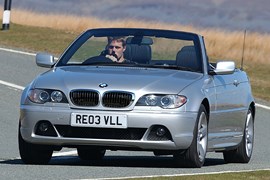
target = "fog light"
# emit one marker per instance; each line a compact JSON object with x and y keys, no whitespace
{"x":161,"y":132}
{"x":44,"y":126}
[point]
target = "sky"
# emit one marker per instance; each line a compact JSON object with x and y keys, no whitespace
{"x":252,"y":15}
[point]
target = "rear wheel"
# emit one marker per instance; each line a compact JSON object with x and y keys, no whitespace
{"x":194,"y":156}
{"x":90,"y":153}
{"x":243,"y":152}
{"x":33,"y":153}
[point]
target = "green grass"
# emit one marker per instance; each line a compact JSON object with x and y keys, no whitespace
{"x":254,"y":175}
{"x":37,"y":39}
{"x":260,"y":77}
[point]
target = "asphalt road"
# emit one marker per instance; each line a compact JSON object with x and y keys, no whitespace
{"x":20,"y":69}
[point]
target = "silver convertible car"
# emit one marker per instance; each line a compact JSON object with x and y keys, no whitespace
{"x":139,"y":90}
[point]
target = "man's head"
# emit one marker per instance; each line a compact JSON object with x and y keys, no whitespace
{"x":117,"y":46}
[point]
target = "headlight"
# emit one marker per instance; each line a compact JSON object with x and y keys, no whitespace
{"x":151,"y":100}
{"x":56,"y":96}
{"x":42,"y":96}
{"x":163,"y":101}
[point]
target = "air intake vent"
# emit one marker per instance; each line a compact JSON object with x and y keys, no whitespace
{"x":100,"y":133}
{"x":84,"y":98}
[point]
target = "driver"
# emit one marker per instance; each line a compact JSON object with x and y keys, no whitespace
{"x":115,"y":48}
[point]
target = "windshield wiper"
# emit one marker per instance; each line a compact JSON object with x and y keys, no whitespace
{"x":182,"y":68}
{"x":171,"y":67}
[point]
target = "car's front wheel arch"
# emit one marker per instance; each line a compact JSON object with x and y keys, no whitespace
{"x":253,"y":110}
{"x":206,"y":105}
{"x":195,"y":155}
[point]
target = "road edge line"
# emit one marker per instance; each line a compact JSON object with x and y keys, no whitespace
{"x":66,"y":153}
{"x":11,"y":85}
{"x":262,"y":106}
{"x":18,"y":52}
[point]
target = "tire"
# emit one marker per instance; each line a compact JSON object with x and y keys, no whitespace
{"x":90,"y":153}
{"x":242,"y":154}
{"x":195,"y":155}
{"x":33,"y":153}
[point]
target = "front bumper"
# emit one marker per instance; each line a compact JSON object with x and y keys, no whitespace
{"x":179,"y":124}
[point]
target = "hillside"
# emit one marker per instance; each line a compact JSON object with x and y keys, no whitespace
{"x":224,"y":14}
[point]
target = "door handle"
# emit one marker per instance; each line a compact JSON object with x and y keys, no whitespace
{"x":236,"y":83}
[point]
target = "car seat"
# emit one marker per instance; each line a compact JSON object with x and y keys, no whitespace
{"x":187,"y":57}
{"x":138,"y":49}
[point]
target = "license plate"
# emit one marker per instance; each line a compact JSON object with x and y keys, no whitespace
{"x":98,"y":120}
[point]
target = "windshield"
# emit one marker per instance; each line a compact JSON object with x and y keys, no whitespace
{"x":143,"y":48}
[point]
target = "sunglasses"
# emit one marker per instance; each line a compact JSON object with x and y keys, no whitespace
{"x":116,"y":47}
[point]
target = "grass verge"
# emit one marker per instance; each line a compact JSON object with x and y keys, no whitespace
{"x":36,"y":39}
{"x":253,"y":175}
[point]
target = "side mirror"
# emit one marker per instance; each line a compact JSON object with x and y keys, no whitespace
{"x":223,"y":68}
{"x":45,"y":60}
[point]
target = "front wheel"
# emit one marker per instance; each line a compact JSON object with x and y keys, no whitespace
{"x":33,"y":153}
{"x":243,"y":152}
{"x":194,"y":156}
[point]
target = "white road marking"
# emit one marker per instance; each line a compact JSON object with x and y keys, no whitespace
{"x":66,"y":153}
{"x":11,"y":85}
{"x":263,"y":106}
{"x":18,"y":52}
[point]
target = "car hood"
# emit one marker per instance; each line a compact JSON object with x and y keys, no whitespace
{"x":131,"y":79}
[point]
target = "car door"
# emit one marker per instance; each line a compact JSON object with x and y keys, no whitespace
{"x":225,"y":125}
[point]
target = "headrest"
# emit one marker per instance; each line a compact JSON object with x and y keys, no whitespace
{"x":138,"y":53}
{"x":139,"y":40}
{"x":187,"y":57}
